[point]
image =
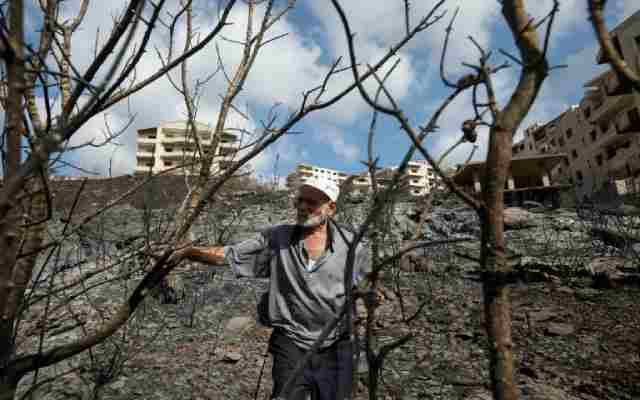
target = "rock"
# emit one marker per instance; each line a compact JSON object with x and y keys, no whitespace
{"x":587,"y":294}
{"x":416,"y":263}
{"x":238,"y":325}
{"x":466,"y":335}
{"x":542,"y":315}
{"x":232,"y":357}
{"x":565,"y":290}
{"x":518,"y":218}
{"x":535,"y":390}
{"x":560,"y":329}
{"x":606,"y":272}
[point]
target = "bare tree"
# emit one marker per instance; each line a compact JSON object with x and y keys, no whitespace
{"x":610,"y":53}
{"x":25,"y":198}
{"x":503,"y":124}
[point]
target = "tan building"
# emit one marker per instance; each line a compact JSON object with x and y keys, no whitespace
{"x":170,"y":145}
{"x":601,"y":135}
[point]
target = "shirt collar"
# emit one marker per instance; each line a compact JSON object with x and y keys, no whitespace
{"x":297,"y":234}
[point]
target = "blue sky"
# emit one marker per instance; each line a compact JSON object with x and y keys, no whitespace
{"x":336,"y":137}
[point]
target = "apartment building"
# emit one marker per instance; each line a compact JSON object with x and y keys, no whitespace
{"x":418,"y":180}
{"x":422,"y":178}
{"x":170,"y":146}
{"x":304,"y":171}
{"x":601,"y":135}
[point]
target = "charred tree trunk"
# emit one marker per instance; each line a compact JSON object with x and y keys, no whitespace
{"x":497,"y":306}
{"x":10,"y":288}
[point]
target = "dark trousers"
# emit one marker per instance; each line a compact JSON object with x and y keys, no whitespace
{"x":326,"y":376}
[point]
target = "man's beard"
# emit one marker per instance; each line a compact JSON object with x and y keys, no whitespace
{"x":312,"y":221}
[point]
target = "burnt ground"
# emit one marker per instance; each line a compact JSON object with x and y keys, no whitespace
{"x":571,"y":342}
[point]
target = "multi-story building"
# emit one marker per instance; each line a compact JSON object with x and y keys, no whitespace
{"x":170,"y":146}
{"x":601,"y":135}
{"x":418,"y":180}
{"x":422,"y":178}
{"x":304,"y":171}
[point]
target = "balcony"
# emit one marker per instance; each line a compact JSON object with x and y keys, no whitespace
{"x":227,"y":149}
{"x":617,"y":166}
{"x":144,"y":154}
{"x":611,"y":108}
{"x":539,"y":134}
{"x":626,"y":124}
{"x":143,"y":169}
{"x":614,"y":86}
{"x":225,"y":164}
{"x":177,"y":139}
{"x":629,"y":121}
{"x":146,"y":140}
{"x":177,"y":155}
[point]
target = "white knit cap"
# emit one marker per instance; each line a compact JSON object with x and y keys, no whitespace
{"x":326,"y":186}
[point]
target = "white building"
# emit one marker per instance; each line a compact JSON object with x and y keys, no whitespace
{"x":305,"y":171}
{"x":419,"y":179}
{"x":422,"y":178}
{"x":171,"y":146}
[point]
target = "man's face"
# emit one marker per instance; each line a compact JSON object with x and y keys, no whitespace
{"x":313,"y":206}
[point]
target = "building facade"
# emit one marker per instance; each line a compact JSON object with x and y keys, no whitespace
{"x":601,"y":135}
{"x":305,"y":171}
{"x":418,"y":180}
{"x":171,"y":148}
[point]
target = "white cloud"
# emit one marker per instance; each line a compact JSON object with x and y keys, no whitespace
{"x":115,"y":158}
{"x":626,"y":8}
{"x":333,"y":136}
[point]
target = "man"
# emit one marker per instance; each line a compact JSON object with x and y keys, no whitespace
{"x":306,"y":265}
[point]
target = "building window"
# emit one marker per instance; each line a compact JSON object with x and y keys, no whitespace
{"x":168,"y":149}
{"x":587,"y":112}
{"x":611,"y":152}
{"x":599,"y":160}
{"x":604,"y":126}
{"x":168,"y":163}
{"x":569,"y":133}
{"x":561,"y":141}
{"x":579,"y":176}
{"x":566,"y":162}
{"x":574,"y":153}
{"x":594,"y":135}
{"x":530,"y":146}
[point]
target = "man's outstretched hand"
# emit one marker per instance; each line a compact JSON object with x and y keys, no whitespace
{"x":178,"y":255}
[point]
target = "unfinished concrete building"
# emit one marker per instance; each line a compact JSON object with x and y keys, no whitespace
{"x":170,"y":148}
{"x":600,"y":135}
{"x":529,"y":179}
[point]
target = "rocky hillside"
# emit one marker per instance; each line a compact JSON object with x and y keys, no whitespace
{"x":576,"y":316}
